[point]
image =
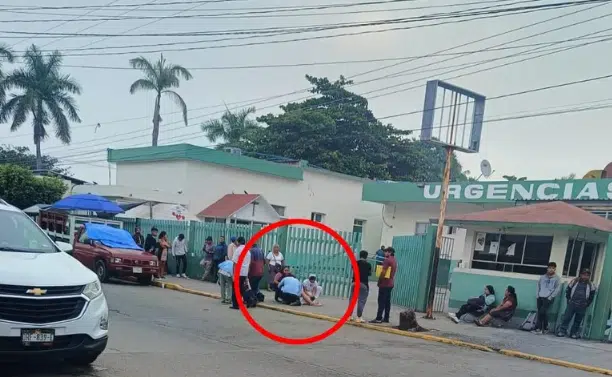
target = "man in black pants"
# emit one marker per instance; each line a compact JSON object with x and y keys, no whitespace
{"x":385,"y":286}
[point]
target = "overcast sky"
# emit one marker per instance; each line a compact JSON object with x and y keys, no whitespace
{"x":537,"y":147}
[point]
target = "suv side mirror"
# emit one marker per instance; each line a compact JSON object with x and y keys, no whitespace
{"x":65,"y":247}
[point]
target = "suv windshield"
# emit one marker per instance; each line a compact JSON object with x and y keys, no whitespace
{"x":19,"y":233}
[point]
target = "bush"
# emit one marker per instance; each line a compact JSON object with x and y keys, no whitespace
{"x":21,"y":188}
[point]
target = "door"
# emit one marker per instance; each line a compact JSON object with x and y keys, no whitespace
{"x":84,"y":252}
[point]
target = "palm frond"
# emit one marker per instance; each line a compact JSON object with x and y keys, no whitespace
{"x":145,"y":66}
{"x":179,"y":101}
{"x":7,"y":53}
{"x":54,"y":63}
{"x":142,"y":84}
{"x":9,"y":108}
{"x":68,"y":104}
{"x":62,"y":127}
{"x":214,"y":130}
{"x":178,"y":70}
{"x":66,"y":83}
{"x":20,"y":112}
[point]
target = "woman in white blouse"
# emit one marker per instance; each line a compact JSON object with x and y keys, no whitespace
{"x":276,"y":261}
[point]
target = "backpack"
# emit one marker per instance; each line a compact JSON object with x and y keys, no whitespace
{"x":250,"y":300}
{"x":260,"y":297}
{"x":529,"y":323}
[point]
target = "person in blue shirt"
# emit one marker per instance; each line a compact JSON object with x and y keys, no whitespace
{"x":380,"y":256}
{"x":226,"y":270}
{"x":291,"y":290}
{"x":219,"y":256}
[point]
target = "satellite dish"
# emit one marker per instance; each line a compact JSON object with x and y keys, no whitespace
{"x":485,"y":168}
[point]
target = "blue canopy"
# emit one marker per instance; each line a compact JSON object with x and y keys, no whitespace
{"x":87,"y":202}
{"x":111,"y":237}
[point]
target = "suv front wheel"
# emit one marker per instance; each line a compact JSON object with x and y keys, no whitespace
{"x":101,"y":271}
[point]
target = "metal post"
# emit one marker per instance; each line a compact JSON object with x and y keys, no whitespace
{"x":443,"y":200}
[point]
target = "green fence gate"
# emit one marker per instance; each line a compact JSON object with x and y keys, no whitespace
{"x":412,"y":254}
{"x":312,"y":251}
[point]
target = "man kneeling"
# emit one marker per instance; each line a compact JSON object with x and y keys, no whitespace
{"x":291,"y":290}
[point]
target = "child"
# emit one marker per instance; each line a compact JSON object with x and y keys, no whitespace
{"x":226,"y":269}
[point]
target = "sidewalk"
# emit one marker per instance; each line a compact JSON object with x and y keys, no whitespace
{"x":577,"y":351}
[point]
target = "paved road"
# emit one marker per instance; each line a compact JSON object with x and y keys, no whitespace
{"x":161,"y":333}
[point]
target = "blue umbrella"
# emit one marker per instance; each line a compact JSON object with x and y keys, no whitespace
{"x":87,"y":202}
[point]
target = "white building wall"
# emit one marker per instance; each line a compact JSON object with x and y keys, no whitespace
{"x":336,"y":196}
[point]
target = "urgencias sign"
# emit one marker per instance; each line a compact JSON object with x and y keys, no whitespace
{"x":525,"y":190}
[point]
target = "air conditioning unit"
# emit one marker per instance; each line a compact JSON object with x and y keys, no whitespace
{"x":233,"y":150}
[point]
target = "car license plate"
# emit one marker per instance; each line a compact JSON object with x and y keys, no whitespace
{"x":29,"y":336}
{"x":138,"y":270}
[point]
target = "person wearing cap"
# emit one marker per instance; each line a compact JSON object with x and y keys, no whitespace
{"x":231,"y":248}
{"x":579,"y":293}
{"x":312,"y":289}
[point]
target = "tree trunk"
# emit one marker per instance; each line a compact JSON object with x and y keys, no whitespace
{"x":156,"y":119}
{"x":38,"y":156}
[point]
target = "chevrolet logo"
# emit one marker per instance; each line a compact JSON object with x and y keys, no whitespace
{"x":36,"y":291}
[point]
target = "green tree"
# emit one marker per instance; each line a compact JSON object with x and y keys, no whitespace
{"x":568,"y":177}
{"x":22,"y":156}
{"x":6,"y":54}
{"x":44,"y":93}
{"x":160,"y":77}
{"x":21,"y":188}
{"x":234,"y":128}
{"x":337,"y":131}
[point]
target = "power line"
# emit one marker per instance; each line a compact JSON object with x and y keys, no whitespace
{"x":323,"y":27}
{"x":41,"y":7}
{"x":270,"y":13}
{"x":506,"y":95}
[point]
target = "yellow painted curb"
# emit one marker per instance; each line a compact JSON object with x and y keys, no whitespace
{"x":389,"y":330}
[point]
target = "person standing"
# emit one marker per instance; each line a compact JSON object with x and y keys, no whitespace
{"x":365,"y":270}
{"x":219,"y":256}
{"x":580,"y":293}
{"x":206,"y":262}
{"x":163,"y":246}
{"x":226,"y":270}
{"x":150,"y":245}
{"x":231,"y":248}
{"x":380,"y":256}
{"x":385,"y":286}
{"x":138,"y":237}
{"x":275,"y":261}
{"x":179,"y":252}
{"x":243,"y":281}
{"x":256,"y":269}
{"x":549,"y":287}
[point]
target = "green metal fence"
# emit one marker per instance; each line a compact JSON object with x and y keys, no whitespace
{"x":306,"y":250}
{"x":410,"y":254}
{"x":312,"y":251}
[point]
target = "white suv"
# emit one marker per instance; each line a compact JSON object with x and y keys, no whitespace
{"x":51,"y":306}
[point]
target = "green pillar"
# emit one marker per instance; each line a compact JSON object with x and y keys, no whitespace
{"x":428,"y":247}
{"x":603,"y":301}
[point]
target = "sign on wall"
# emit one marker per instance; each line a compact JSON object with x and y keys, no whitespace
{"x":525,"y":190}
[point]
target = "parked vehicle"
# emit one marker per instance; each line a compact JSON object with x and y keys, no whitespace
{"x":50,"y":305}
{"x":112,"y":252}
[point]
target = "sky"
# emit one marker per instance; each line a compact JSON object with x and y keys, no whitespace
{"x":537,"y":147}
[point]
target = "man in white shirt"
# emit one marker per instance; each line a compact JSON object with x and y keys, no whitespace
{"x":179,"y":252}
{"x":244,"y":270}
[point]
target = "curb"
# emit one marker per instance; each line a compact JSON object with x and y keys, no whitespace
{"x":388,"y":330}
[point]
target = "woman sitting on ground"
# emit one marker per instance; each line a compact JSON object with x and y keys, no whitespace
{"x":476,"y":306}
{"x":503,"y":312}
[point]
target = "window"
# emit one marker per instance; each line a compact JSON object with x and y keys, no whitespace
{"x":451,"y":230}
{"x":279,"y":209}
{"x":421,"y":228}
{"x":318,"y":217}
{"x":579,"y":255}
{"x":358,"y":226}
{"x":21,"y":234}
{"x":512,"y":253}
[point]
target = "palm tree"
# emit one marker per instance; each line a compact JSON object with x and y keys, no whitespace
{"x":5,"y":54}
{"x":160,"y":77}
{"x":44,"y":93}
{"x":232,"y":127}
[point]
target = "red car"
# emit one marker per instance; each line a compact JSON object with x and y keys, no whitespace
{"x":112,"y":252}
